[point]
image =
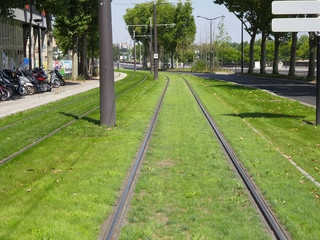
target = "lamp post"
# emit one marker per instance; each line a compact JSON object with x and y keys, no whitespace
{"x":38,"y":22}
{"x":211,"y":19}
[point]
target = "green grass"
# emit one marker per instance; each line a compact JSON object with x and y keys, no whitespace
{"x":64,"y":187}
{"x":285,"y":124}
{"x":187,"y":189}
{"x":21,"y":135}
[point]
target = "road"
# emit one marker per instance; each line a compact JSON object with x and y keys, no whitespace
{"x":295,"y":90}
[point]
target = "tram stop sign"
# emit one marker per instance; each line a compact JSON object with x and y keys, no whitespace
{"x":311,"y":24}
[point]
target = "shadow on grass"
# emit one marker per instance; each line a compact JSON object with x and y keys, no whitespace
{"x":265,"y":115}
{"x":91,"y":120}
{"x":233,"y":87}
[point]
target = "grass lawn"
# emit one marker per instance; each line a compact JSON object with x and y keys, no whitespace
{"x":64,"y":187}
{"x":187,"y":189}
{"x":286,"y":126}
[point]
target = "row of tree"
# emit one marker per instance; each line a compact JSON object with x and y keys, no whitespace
{"x":172,"y":40}
{"x":256,"y":17}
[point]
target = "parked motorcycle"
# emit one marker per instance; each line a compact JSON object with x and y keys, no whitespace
{"x":26,"y":87}
{"x":55,"y":75}
{"x":39,"y":75}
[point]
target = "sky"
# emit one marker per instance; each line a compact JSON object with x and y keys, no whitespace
{"x":205,"y":8}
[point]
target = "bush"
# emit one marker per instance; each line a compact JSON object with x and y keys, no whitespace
{"x":199,"y":66}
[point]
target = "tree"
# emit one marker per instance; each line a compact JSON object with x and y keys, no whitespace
{"x":246,"y":12}
{"x":168,"y":38}
{"x":72,"y":27}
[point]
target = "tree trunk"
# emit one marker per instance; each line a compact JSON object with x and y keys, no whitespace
{"x":292,"y":70}
{"x":172,"y":59}
{"x":312,"y":55}
{"x":251,"y":64}
{"x":75,"y":67}
{"x":145,"y":52}
{"x":276,"y":54}
{"x":263,"y":58}
{"x":49,"y":41}
{"x":83,"y":56}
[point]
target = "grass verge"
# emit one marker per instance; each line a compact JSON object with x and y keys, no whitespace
{"x":64,"y":187}
{"x":287,"y":127}
{"x":187,"y":189}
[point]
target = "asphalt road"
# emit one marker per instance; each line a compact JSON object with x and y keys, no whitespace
{"x":295,"y":90}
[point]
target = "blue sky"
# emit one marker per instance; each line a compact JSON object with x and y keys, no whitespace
{"x":204,"y":8}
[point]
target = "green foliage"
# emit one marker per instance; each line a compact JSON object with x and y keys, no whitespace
{"x":169,"y":38}
{"x":199,"y":66}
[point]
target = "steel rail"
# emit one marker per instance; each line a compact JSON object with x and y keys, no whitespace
{"x":269,"y":217}
{"x":49,"y":110}
{"x":3,"y":161}
{"x":115,"y":221}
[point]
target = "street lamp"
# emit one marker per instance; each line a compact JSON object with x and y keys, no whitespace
{"x":211,"y":19}
{"x":38,"y":22}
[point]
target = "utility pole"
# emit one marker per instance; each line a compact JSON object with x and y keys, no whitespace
{"x":318,"y":82}
{"x":107,"y":91}
{"x":134,"y":40}
{"x":156,"y":58}
{"x":211,"y":19}
{"x":242,"y":53}
{"x":151,"y":48}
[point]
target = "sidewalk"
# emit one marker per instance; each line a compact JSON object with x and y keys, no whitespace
{"x":21,"y":103}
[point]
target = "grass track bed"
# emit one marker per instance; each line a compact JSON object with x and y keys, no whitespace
{"x":64,"y":187}
{"x":187,"y":189}
{"x":24,"y":133}
{"x":294,"y":198}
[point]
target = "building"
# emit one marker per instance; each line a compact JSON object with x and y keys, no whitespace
{"x":18,"y":43}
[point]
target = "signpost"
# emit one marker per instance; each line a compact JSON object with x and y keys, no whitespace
{"x":300,"y":25}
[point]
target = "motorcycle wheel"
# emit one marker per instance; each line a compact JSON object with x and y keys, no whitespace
{"x":62,"y":82}
{"x":49,"y":88}
{"x":22,"y":91}
{"x":56,"y":83}
{"x":43,"y":87}
{"x":10,"y":91}
{"x":5,"y":95}
{"x":30,"y":90}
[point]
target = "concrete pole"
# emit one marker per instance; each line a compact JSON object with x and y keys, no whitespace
{"x":39,"y":45}
{"x":151,"y":49}
{"x":242,"y":53}
{"x":211,"y":46}
{"x":156,"y":60}
{"x":318,"y":82}
{"x":135,"y":53}
{"x":107,"y":91}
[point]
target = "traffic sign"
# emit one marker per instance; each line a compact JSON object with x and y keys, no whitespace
{"x":296,"y":7}
{"x":296,"y":25}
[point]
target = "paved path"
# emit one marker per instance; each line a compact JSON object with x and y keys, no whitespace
{"x":22,"y":103}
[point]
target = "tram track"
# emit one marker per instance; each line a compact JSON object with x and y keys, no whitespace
{"x":111,"y":228}
{"x":268,"y":216}
{"x":3,"y":161}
